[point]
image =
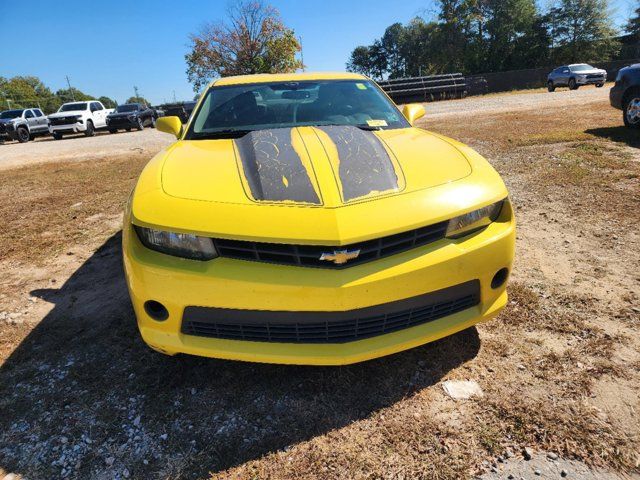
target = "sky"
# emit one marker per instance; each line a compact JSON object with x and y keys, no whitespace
{"x":107,"y":47}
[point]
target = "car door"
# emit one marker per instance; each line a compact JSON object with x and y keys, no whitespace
{"x":97,"y":111}
{"x":42,"y":124}
{"x":565,"y":74}
{"x":31,"y":119}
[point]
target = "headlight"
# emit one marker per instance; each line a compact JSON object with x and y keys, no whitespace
{"x":473,"y":221}
{"x":183,"y":245}
{"x":132,"y":117}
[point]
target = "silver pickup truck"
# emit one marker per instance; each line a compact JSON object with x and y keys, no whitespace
{"x":23,"y":124}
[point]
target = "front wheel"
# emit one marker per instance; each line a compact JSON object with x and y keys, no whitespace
{"x":599,"y":85}
{"x":113,"y":130}
{"x":631,"y":110}
{"x":22,"y":134}
{"x":550,"y":86}
{"x":57,"y":135}
{"x":572,"y":84}
{"x":90,"y":131}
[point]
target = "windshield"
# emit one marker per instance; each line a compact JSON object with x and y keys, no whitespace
{"x":242,"y":108}
{"x":581,"y":68}
{"x":11,"y":114}
{"x":126,"y":108}
{"x":70,"y":107}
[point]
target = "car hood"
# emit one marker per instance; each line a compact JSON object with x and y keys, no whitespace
{"x":311,"y":166}
{"x":123,"y":114}
{"x":591,"y":72}
{"x":7,"y":120}
{"x":312,"y":185}
{"x":66,"y":114}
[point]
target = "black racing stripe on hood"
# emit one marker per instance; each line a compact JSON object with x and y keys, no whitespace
{"x":267,"y":157}
{"x":365,"y":165}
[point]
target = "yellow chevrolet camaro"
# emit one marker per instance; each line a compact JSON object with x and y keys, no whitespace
{"x":303,"y":219}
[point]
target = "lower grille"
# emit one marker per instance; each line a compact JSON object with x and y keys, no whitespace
{"x":328,"y":327}
{"x":594,"y":75}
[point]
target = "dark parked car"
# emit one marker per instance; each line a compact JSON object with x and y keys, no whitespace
{"x":131,"y":115}
{"x":183,"y":110}
{"x":625,"y":95}
{"x":575,"y":75}
{"x":23,"y":124}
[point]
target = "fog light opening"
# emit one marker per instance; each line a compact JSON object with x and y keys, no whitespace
{"x":156,"y":310}
{"x":499,"y":278}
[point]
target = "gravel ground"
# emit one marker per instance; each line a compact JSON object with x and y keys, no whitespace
{"x":79,"y":147}
{"x":545,"y":466}
{"x":520,"y":101}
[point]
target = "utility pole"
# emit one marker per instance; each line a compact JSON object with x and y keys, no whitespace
{"x":73,"y":97}
{"x":174,"y":97}
{"x":135,"y":90}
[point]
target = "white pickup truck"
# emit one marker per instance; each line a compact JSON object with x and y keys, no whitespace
{"x":75,"y":117}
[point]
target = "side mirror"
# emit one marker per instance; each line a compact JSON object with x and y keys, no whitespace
{"x":171,"y":125}
{"x":413,"y":111}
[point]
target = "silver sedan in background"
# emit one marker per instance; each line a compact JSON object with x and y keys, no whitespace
{"x":576,"y":75}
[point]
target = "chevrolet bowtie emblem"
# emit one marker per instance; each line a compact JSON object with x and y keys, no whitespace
{"x":340,"y":256}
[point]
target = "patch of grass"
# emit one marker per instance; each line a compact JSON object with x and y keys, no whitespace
{"x":548,"y":138}
{"x":48,"y":208}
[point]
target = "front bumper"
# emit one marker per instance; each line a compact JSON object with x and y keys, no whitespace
{"x":121,"y":123}
{"x":591,"y":81}
{"x":245,"y":285}
{"x":68,"y":128}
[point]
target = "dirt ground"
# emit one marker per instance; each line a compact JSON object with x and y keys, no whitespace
{"x":82,"y":397}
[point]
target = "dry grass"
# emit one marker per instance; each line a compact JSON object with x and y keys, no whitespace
{"x":52,"y":207}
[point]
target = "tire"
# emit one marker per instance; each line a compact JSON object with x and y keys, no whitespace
{"x":113,"y":130}
{"x":572,"y":84}
{"x":22,"y":135}
{"x":128,"y":129}
{"x":57,"y":135}
{"x":140,"y":125}
{"x":631,"y":109}
{"x":599,"y":85}
{"x":550,"y":86}
{"x":90,"y":131}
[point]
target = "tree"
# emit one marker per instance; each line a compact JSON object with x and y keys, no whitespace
{"x":253,"y":40}
{"x":633,"y":25}
{"x":108,"y":102}
{"x":142,"y":100}
{"x":583,"y":31}
{"x":73,"y":95}
{"x":370,"y":61}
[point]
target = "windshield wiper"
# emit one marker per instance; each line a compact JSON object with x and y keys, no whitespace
{"x":228,"y":133}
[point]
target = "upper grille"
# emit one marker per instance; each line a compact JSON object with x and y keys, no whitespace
{"x":62,"y":120}
{"x":309,"y":255}
{"x":329,"y":327}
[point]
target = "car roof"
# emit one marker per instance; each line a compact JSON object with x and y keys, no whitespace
{"x":576,"y":64}
{"x":286,"y":77}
